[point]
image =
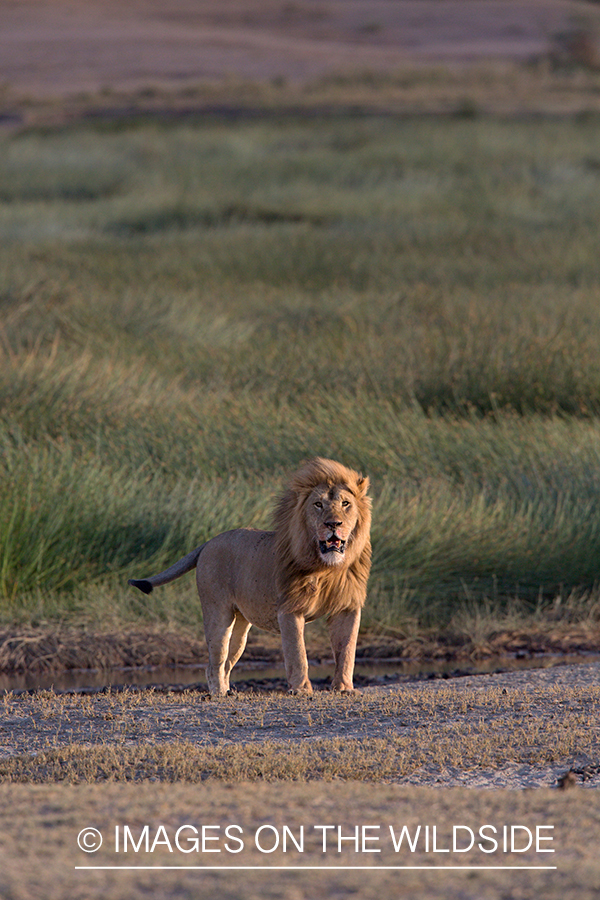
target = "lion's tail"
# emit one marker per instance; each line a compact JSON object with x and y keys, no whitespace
{"x":179,"y":568}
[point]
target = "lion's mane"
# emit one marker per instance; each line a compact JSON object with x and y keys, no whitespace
{"x":310,"y":587}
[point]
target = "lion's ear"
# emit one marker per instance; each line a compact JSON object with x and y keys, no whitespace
{"x":362,"y":484}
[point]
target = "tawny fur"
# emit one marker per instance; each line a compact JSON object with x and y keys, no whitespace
{"x":316,"y":563}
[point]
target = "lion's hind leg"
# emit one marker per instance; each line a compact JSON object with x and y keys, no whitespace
{"x":291,"y":626}
{"x":237,"y":642}
{"x":218,"y":628}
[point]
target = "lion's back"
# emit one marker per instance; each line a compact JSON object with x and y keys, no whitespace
{"x":237,"y":568}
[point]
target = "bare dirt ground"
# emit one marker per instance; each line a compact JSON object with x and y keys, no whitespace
{"x":58,"y":47}
{"x":64,"y":59}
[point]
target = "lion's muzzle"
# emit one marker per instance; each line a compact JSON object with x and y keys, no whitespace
{"x":333,"y":544}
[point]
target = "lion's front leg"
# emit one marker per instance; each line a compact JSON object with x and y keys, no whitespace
{"x":291,"y":626}
{"x":343,"y":633}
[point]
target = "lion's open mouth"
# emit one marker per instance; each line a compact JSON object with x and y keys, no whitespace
{"x":334,"y":544}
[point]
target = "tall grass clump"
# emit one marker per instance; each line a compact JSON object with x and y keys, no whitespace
{"x":186,"y":312}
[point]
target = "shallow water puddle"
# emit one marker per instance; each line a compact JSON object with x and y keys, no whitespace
{"x":263,"y":677}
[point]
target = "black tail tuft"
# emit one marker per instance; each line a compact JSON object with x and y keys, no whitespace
{"x":144,"y":586}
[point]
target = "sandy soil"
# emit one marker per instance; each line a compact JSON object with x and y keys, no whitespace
{"x":59,"y":47}
{"x":39,"y":827}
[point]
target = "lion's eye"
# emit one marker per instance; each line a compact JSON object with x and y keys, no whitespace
{"x":318,"y":504}
{"x":345,"y":503}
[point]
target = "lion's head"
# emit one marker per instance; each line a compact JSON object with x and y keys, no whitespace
{"x":322,"y":523}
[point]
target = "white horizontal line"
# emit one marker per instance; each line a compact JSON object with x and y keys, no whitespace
{"x":374,"y":868}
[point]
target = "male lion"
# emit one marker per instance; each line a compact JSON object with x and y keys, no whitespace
{"x":316,"y":563}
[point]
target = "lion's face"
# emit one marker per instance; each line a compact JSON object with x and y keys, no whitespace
{"x":322,"y":525}
{"x":331,"y":514}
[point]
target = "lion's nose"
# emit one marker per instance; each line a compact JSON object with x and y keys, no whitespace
{"x":333,"y":525}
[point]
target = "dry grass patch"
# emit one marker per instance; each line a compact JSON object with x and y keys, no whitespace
{"x":380,"y":735}
{"x":463,"y":91}
{"x":51,"y":650}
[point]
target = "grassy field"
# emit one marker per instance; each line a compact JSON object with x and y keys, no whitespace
{"x":189,"y":310}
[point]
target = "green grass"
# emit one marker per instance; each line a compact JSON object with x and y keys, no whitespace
{"x":186,"y":312}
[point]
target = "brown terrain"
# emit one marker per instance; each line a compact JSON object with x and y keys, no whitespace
{"x":203,"y":50}
{"x":57,"y":47}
